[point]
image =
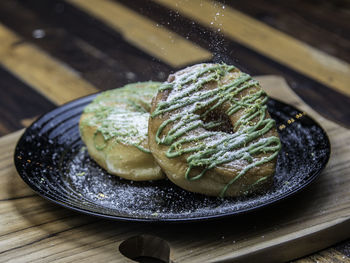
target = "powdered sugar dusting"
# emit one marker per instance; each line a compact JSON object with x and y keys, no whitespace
{"x":53,"y":161}
{"x":161,"y":200}
{"x":132,"y":126}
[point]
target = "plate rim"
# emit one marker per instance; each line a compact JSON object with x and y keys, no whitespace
{"x":311,"y":179}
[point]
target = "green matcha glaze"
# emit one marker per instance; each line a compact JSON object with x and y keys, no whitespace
{"x":122,"y":114}
{"x":188,"y":104}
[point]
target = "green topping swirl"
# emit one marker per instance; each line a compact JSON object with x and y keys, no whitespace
{"x":122,"y":115}
{"x":191,"y":128}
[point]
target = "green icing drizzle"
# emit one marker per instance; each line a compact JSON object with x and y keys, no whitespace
{"x":189,"y":104}
{"x":122,"y":114}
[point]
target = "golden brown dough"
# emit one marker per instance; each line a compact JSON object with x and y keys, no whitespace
{"x":114,"y":129}
{"x":211,"y":133}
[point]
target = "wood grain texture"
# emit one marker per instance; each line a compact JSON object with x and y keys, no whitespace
{"x":144,"y":33}
{"x":343,"y":247}
{"x":18,"y":101}
{"x":281,"y":47}
{"x":50,"y":77}
{"x":98,"y":63}
{"x":104,"y":59}
{"x":225,"y":50}
{"x":327,"y":256}
{"x":28,"y":121}
{"x":97,"y":52}
{"x":321,"y":26}
{"x":314,"y":219}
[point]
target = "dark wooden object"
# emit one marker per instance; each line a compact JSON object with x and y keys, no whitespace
{"x":89,"y":53}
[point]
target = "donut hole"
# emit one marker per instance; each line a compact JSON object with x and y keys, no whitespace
{"x":217,"y":116}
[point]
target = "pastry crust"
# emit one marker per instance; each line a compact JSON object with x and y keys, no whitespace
{"x":114,"y":129}
{"x":211,"y":133}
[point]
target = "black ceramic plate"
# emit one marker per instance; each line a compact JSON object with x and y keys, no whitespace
{"x":52,"y":160}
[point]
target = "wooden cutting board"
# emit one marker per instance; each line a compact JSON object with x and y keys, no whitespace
{"x":32,"y":229}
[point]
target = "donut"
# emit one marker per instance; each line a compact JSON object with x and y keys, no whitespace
{"x":211,"y":133}
{"x":114,"y":128}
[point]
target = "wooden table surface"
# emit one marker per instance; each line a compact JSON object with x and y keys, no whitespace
{"x":55,"y":51}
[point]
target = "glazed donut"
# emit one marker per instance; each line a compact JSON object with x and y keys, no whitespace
{"x":211,"y":133}
{"x":114,"y":129}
